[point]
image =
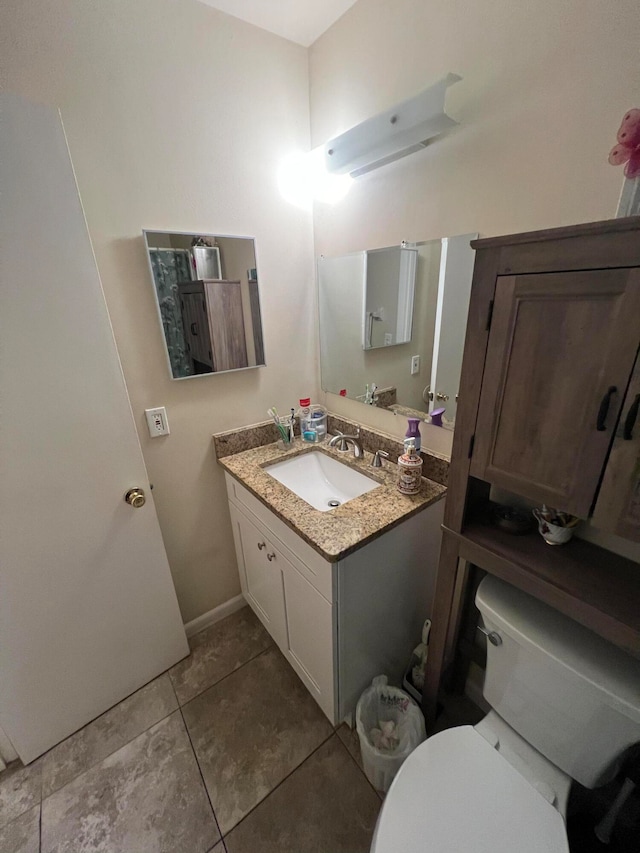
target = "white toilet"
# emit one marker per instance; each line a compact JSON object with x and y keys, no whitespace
{"x":565,"y":705}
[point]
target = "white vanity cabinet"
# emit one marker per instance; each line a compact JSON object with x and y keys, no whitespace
{"x":339,"y":624}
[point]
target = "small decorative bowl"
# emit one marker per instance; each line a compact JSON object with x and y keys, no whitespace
{"x":554,"y":534}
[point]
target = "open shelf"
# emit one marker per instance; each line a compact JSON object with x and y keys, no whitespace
{"x":595,"y":587}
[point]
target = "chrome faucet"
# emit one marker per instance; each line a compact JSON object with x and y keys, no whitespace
{"x":343,"y":442}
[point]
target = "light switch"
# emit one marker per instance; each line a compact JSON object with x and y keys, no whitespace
{"x":415,"y":364}
{"x":157,"y":421}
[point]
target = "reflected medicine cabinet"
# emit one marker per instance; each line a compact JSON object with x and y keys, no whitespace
{"x":389,"y":289}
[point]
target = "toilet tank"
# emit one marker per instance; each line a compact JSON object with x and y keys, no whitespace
{"x":569,"y":693}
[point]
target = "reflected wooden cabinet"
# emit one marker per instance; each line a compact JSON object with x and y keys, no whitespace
{"x":214,"y":325}
{"x":560,"y":353}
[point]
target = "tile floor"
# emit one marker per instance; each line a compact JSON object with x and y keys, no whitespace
{"x":225,"y":752}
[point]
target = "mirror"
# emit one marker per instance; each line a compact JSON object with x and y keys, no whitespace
{"x":392,"y":325}
{"x":206,"y":289}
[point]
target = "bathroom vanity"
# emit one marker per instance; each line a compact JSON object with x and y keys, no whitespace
{"x":343,"y":592}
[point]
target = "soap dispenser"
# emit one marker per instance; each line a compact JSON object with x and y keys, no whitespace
{"x":409,"y":471}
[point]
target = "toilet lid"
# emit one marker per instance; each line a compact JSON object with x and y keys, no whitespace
{"x":456,"y":793}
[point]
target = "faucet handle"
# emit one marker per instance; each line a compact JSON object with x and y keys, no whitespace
{"x":376,"y":462}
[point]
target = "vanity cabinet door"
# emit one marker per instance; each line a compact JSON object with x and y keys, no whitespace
{"x":310,"y":624}
{"x":560,"y":352}
{"x":262,"y":582}
{"x":618,"y":506}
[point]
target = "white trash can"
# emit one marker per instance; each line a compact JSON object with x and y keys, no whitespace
{"x":380,"y":704}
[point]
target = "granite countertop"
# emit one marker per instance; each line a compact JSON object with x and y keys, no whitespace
{"x":340,"y":531}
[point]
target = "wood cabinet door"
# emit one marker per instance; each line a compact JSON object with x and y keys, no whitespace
{"x":560,"y":351}
{"x":226,"y":321}
{"x":618,"y":506}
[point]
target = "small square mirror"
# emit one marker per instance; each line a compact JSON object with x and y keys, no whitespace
{"x":206,"y":289}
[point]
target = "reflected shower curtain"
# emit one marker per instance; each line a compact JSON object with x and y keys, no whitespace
{"x":169,"y":267}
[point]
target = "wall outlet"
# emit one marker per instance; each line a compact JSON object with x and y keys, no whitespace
{"x":388,"y":339}
{"x":415,"y":364}
{"x":157,"y":421}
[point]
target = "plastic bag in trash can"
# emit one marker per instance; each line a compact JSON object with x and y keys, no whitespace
{"x":379,"y":704}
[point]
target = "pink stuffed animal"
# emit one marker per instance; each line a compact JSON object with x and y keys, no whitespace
{"x":628,"y":148}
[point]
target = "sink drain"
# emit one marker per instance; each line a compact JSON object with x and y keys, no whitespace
{"x":333,"y":503}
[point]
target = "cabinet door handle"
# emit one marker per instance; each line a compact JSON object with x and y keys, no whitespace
{"x":261,"y":545}
{"x":271,"y":557}
{"x":631,"y":418}
{"x":603,"y":411}
{"x":194,"y":329}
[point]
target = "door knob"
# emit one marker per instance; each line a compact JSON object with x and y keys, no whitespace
{"x":442,"y":397}
{"x":135,"y":498}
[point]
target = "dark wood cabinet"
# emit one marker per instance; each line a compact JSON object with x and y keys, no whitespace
{"x":558,"y":343}
{"x":549,"y":399}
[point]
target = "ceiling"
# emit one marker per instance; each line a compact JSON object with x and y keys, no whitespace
{"x":302,"y":21}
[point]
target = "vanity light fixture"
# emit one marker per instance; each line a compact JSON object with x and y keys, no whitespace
{"x":394,"y":133}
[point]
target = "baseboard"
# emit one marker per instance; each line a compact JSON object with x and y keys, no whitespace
{"x":212,"y":616}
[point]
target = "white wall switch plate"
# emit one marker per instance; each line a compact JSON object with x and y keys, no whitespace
{"x":415,"y":364}
{"x":388,"y":339}
{"x":157,"y":421}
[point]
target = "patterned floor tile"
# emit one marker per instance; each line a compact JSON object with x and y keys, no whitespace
{"x":147,"y":797}
{"x":218,"y":651}
{"x":22,"y":835}
{"x":107,"y":733}
{"x":326,"y":805}
{"x":250,"y":731}
{"x":20,"y":789}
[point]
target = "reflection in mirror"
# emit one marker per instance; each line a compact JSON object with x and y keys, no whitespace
{"x":389,"y":284}
{"x":206,"y":290}
{"x":411,"y":357}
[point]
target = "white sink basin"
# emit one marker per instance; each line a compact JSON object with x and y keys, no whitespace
{"x":321,"y":480}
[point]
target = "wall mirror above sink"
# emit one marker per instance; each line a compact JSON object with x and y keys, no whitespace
{"x":392,"y":324}
{"x":206,"y":289}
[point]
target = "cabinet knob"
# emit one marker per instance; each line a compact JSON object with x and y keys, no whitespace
{"x":271,"y":557}
{"x":261,"y":545}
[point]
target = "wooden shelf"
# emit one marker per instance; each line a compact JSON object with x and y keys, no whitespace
{"x":595,"y":587}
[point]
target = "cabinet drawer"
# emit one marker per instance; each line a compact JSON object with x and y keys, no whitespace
{"x":318,"y":571}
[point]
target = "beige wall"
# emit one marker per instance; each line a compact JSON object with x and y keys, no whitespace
{"x":546,"y":83}
{"x":177,"y":117}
